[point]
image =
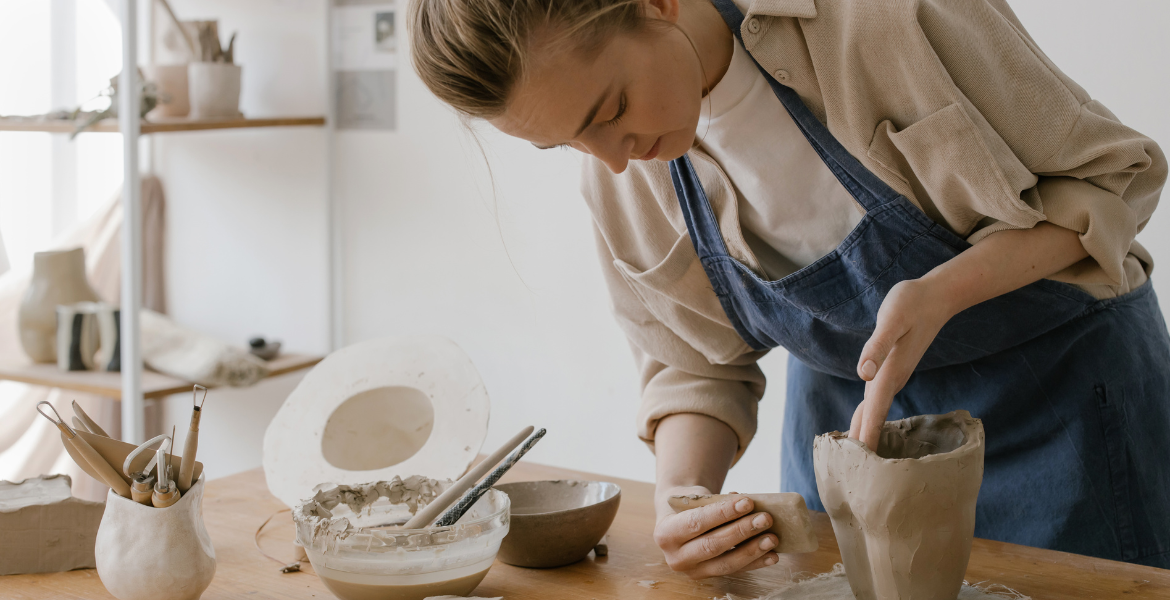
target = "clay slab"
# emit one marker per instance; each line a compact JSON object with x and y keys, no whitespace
{"x":44,"y":528}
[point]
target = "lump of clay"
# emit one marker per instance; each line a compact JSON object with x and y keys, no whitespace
{"x":790,"y":518}
{"x":904,"y":516}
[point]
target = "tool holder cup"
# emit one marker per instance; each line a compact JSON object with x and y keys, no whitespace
{"x":904,"y":516}
{"x":147,"y":553}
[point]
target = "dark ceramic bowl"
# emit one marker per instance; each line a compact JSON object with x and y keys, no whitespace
{"x":556,"y":523}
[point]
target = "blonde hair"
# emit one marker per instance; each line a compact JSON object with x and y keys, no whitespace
{"x":471,"y":53}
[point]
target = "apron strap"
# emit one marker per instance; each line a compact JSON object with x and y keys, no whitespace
{"x":701,"y":222}
{"x":869,"y":190}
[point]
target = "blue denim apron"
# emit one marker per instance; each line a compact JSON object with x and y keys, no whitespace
{"x":1074,"y":392}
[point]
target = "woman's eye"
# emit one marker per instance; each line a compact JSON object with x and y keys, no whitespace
{"x":621,"y":111}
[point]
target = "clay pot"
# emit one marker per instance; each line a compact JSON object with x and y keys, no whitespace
{"x":556,"y":523}
{"x":904,"y":516}
{"x":58,"y":278}
{"x":172,"y":90}
{"x":213,"y":90}
{"x":147,"y":553}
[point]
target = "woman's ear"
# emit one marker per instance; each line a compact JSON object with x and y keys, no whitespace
{"x":665,"y":10}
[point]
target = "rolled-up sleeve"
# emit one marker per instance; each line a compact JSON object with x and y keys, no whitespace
{"x":1092,"y":173}
{"x":676,"y":378}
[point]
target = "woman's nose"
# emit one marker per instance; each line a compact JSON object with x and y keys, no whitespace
{"x":614,"y":152}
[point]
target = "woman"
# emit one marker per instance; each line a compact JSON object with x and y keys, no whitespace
{"x":907,"y":196}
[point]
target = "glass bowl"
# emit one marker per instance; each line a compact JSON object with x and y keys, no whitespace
{"x":362,"y":555}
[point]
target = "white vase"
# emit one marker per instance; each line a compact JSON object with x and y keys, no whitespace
{"x":58,"y":278}
{"x":213,"y":90}
{"x":147,"y":553}
{"x":172,"y":90}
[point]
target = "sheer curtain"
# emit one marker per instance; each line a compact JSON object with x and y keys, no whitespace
{"x":29,"y":444}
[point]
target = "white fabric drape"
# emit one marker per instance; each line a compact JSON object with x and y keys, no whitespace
{"x":29,"y":444}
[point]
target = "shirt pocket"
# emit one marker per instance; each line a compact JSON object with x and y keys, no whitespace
{"x":679,"y":294}
{"x":946,"y":158}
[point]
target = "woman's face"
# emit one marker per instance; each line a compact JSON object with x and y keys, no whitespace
{"x":637,"y":99}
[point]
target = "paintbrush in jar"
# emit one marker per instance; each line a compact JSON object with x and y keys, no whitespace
{"x":469,"y":499}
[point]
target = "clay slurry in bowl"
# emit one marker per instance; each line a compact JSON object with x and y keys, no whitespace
{"x":556,"y":523}
{"x":356,"y":547}
{"x":904,"y":516}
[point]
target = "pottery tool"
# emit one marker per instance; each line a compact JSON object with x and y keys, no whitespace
{"x":790,"y":519}
{"x":90,"y":425}
{"x":455,"y":512}
{"x":166,"y":492}
{"x":141,"y":481}
{"x":187,"y":466}
{"x":78,"y":425}
{"x":98,"y":468}
{"x":115,"y":453}
{"x":426,"y":515}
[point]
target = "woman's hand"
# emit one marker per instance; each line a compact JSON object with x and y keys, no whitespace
{"x":916,"y":309}
{"x":713,"y":540}
{"x":907,"y":322}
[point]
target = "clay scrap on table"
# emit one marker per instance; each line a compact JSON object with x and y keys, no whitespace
{"x":904,"y":516}
{"x":834,"y":585}
{"x":413,"y":492}
{"x":790,"y":519}
{"x":44,"y":528}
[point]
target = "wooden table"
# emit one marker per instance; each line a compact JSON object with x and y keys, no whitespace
{"x":235,"y":506}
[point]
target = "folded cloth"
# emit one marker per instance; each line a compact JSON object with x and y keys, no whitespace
{"x":180,"y":352}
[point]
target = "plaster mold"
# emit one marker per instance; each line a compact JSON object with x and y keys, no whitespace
{"x":375,"y":410}
{"x":904,"y":516}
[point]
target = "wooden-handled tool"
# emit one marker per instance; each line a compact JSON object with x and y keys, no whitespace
{"x":141,"y":481}
{"x":470,"y":498}
{"x":187,"y":466}
{"x":166,"y":492}
{"x":430,"y":512}
{"x":90,"y":425}
{"x":98,"y":467}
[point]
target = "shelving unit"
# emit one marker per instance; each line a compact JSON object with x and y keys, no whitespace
{"x":161,"y":125}
{"x":109,"y":385}
{"x":133,"y":386}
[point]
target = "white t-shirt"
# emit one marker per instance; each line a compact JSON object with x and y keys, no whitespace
{"x":792,"y":210}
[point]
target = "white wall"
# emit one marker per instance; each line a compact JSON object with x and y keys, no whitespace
{"x":246,"y":249}
{"x":426,"y":252}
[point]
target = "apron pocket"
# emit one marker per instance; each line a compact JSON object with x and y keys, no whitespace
{"x":1112,"y":415}
{"x":679,"y":294}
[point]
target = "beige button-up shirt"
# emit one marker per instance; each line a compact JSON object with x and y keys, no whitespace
{"x":949,"y":102}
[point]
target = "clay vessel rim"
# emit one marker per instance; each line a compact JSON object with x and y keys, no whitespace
{"x":972,"y":440}
{"x":505,"y":508}
{"x":606,"y":485}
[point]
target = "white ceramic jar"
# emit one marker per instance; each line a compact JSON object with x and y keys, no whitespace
{"x":213,"y":90}
{"x":147,"y":553}
{"x":58,"y":278}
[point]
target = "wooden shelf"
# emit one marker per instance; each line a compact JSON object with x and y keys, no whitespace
{"x":161,"y":125}
{"x":109,"y":385}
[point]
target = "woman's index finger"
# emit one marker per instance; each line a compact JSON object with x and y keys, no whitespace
{"x":691,"y":523}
